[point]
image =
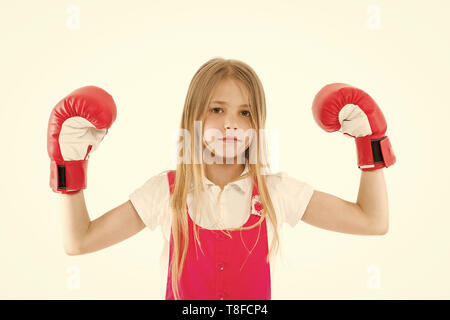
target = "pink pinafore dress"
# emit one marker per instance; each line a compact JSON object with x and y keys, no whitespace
{"x":223,"y":268}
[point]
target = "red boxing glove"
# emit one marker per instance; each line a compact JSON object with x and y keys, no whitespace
{"x":339,"y":106}
{"x":77,"y":124}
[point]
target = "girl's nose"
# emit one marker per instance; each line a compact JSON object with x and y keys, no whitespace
{"x":230,"y":124}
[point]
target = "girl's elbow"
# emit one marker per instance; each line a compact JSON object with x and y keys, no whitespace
{"x":380,"y":229}
{"x":383,"y":230}
{"x":72,"y":250}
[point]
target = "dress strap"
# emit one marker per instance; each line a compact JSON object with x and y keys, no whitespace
{"x":171,"y":177}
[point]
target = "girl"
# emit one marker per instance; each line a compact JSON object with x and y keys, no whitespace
{"x":221,"y":210}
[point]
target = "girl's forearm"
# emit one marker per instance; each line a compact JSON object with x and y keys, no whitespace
{"x":373,"y":199}
{"x":75,"y":221}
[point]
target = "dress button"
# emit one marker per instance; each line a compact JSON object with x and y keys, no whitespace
{"x":220,"y":296}
{"x":220,"y":266}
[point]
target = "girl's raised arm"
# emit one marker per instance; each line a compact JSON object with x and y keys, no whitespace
{"x":81,"y":235}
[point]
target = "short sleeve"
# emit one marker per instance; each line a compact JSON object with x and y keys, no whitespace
{"x":290,"y":197}
{"x":151,"y":200}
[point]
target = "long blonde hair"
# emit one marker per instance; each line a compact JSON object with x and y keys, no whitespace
{"x":191,"y":172}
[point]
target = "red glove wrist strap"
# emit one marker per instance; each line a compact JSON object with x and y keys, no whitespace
{"x":374,"y":153}
{"x":68,"y":176}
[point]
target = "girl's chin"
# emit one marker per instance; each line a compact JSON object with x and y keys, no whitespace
{"x":225,"y":156}
{"x":225,"y":153}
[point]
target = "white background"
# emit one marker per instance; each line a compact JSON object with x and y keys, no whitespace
{"x":144,"y":53}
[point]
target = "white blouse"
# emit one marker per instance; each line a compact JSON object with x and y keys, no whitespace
{"x":289,"y":196}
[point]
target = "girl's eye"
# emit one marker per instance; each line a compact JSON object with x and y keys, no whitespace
{"x":215,"y":109}
{"x":219,"y":110}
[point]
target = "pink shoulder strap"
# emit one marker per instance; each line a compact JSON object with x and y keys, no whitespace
{"x":171,"y":177}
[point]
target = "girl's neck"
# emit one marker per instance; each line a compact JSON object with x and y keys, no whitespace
{"x":222,"y":174}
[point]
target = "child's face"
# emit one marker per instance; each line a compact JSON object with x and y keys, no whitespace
{"x":227,"y":115}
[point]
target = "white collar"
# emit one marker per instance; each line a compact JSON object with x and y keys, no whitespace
{"x":242,"y":184}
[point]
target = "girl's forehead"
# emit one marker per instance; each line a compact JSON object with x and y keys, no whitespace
{"x":230,"y":89}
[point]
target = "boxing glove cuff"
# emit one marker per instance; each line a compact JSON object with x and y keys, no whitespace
{"x":68,"y":177}
{"x":374,"y":153}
